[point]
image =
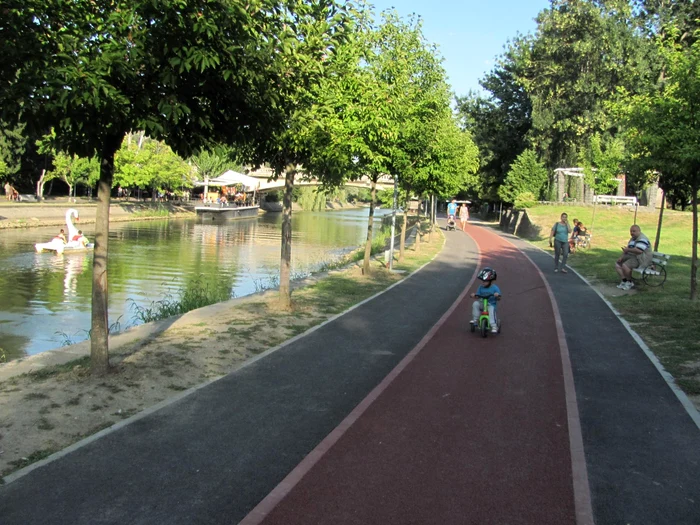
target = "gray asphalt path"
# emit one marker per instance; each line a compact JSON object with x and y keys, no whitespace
{"x":212,"y":456}
{"x":642,"y":448}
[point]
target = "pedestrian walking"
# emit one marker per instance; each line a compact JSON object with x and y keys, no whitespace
{"x":560,"y":235}
{"x":464,"y":216}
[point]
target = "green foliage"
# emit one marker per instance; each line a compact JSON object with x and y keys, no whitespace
{"x":525,"y":200}
{"x":272,"y":196}
{"x":196,"y":294}
{"x":602,"y":163}
{"x":664,"y":126}
{"x":526,"y":179}
{"x":148,"y":163}
{"x":386,"y":198}
{"x":212,"y":163}
{"x":311,"y":199}
{"x":12,"y":146}
{"x":74,"y":170}
{"x":500,"y":122}
{"x":581,"y":53}
{"x":361,"y":194}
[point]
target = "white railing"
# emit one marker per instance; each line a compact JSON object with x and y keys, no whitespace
{"x":615,"y":199}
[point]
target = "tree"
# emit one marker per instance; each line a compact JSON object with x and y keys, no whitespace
{"x":527,"y":175}
{"x":149,"y":163}
{"x":186,"y":72}
{"x":664,"y":126}
{"x":73,"y":170}
{"x":501,"y":122}
{"x":213,"y":162}
{"x":582,"y":51}
{"x":657,"y":15}
{"x":12,"y":144}
{"x":390,"y":82}
{"x":310,"y":36}
{"x":602,"y":162}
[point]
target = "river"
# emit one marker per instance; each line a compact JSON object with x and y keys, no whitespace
{"x":45,"y":298}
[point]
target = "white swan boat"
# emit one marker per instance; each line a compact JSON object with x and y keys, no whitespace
{"x":58,"y":245}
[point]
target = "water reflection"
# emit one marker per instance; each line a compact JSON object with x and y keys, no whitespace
{"x":45,"y":298}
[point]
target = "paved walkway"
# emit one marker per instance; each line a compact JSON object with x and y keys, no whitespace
{"x":465,"y":430}
{"x":472,"y":431}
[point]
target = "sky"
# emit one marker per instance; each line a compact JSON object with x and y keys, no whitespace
{"x":470,"y":34}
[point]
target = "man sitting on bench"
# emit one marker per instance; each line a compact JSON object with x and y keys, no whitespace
{"x":637,"y":253}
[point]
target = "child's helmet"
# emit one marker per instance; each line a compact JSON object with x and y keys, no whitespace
{"x":487,"y":274}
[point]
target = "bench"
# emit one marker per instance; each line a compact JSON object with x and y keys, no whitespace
{"x":654,"y":274}
{"x":615,"y":199}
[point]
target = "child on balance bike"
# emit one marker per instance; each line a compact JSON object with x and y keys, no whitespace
{"x":490,"y":291}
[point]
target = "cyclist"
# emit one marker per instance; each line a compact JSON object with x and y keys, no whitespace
{"x":491,"y":291}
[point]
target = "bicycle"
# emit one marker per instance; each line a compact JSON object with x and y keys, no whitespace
{"x":484,"y":322}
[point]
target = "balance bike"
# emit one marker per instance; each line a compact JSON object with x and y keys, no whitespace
{"x":484,"y":321}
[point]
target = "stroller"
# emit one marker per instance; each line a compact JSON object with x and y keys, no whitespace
{"x":451,"y":225}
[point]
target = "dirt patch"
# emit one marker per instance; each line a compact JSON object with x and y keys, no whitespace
{"x":611,"y":290}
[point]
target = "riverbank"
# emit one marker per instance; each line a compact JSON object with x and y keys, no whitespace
{"x":52,"y":401}
{"x":52,"y":213}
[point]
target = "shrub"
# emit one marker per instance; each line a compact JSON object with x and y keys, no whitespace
{"x":525,"y":200}
{"x":526,"y":175}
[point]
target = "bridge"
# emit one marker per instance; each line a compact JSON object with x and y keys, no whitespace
{"x":385,"y":182}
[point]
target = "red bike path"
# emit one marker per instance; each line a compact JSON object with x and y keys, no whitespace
{"x":470,"y":430}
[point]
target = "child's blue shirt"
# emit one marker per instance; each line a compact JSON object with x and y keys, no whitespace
{"x":489,"y":291}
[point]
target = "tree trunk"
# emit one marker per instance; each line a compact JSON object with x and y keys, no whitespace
{"x":430,"y":220}
{"x":402,"y":244}
{"x":418,"y":232}
{"x":40,"y":186}
{"x":370,"y":227}
{"x":286,"y":255}
{"x":99,"y":334}
{"x":694,"y":256}
{"x":661,"y":220}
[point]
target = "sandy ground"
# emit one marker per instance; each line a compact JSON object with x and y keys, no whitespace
{"x":52,"y":407}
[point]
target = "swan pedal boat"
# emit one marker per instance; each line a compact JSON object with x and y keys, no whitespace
{"x":58,"y":246}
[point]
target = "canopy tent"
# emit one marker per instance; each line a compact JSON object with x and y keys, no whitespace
{"x":231,"y":178}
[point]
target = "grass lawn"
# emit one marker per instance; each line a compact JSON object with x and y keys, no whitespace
{"x":664,"y":317}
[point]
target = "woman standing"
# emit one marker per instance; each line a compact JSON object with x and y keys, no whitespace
{"x":464,"y":215}
{"x":560,"y":232}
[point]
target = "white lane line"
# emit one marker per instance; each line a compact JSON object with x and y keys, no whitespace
{"x":582,"y":492}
